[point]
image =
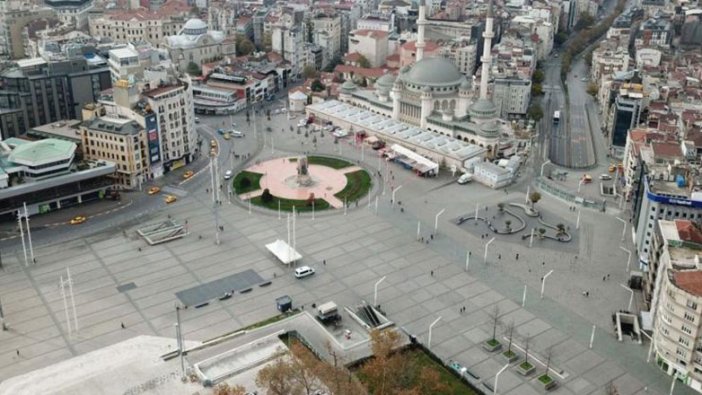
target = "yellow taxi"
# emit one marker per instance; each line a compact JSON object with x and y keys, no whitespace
{"x":611,"y":168}
{"x":170,"y":199}
{"x":587,"y":178}
{"x":188,"y":174}
{"x":78,"y":220}
{"x":227,"y":136}
{"x":154,"y":190}
{"x":213,"y":143}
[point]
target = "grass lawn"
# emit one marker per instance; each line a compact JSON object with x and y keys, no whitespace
{"x":545,"y":379}
{"x":287,"y":204}
{"x":509,"y":353}
{"x":525,"y":365}
{"x":255,"y":179}
{"x":493,"y":342}
{"x":334,"y":163}
{"x":357,"y":186}
{"x":419,"y":360}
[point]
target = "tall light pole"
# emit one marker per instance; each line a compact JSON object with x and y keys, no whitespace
{"x":430,"y":328}
{"x":29,"y":233}
{"x":650,"y":348}
{"x":577,"y":222}
{"x":623,"y":230}
{"x":631,"y":296}
{"x":436,"y":220}
{"x":580,"y":183}
{"x":486,"y":249}
{"x":543,"y":165}
{"x":375,"y":291}
{"x":497,"y":376}
{"x":24,"y":246}
{"x":543,"y":283}
{"x":628,"y":259}
{"x":392,"y":203}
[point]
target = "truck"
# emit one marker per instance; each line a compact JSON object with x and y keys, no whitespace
{"x":328,"y":313}
{"x":556,"y":117}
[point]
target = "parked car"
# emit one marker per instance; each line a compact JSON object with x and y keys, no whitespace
{"x":340,"y":133}
{"x":587,"y":179}
{"x":197,"y":120}
{"x":228,"y":174}
{"x":237,"y":134}
{"x":465,"y":178}
{"x":605,"y":177}
{"x":227,"y":136}
{"x":303,"y":271}
{"x":170,"y":199}
{"x":154,"y":190}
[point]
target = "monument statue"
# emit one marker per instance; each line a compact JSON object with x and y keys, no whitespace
{"x":303,"y":176}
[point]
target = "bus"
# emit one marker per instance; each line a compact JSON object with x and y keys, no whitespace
{"x":556,"y":117}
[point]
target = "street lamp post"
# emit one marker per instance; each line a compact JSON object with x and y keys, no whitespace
{"x":543,"y":283}
{"x":419,"y":229}
{"x":497,"y":376}
{"x":628,"y":259}
{"x":650,"y":348}
{"x":430,"y":328}
{"x":436,"y":220}
{"x":623,"y":230}
{"x":543,"y":165}
{"x":577,"y":222}
{"x":467,"y":260}
{"x":631,"y":297}
{"x":375,"y":291}
{"x":580,"y":183}
{"x":486,"y":249}
{"x":392,"y":203}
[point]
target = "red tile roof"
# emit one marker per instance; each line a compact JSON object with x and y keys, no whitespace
{"x":370,"y":33}
{"x":689,"y":281}
{"x":428,"y":47}
{"x":352,"y":57}
{"x":170,"y":8}
{"x":666,"y":149}
{"x":687,"y":231}
{"x":370,"y":73}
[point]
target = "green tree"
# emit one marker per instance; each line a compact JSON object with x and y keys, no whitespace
{"x":537,"y":89}
{"x":586,"y":20}
{"x":592,"y":89}
{"x":363,"y":82}
{"x":535,"y":112}
{"x":266,"y":196}
{"x":317,"y":86}
{"x":364,"y":62}
{"x":193,"y":69}
{"x":244,"y":46}
{"x":332,"y":65}
{"x":309,"y":71}
{"x":534,"y":198}
{"x":538,"y":76}
{"x":560,"y":38}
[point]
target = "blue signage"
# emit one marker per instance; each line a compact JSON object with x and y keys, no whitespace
{"x":152,"y":136}
{"x":674,"y":201}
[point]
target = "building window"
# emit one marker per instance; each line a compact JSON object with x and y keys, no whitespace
{"x":689,"y":317}
{"x":691,"y":304}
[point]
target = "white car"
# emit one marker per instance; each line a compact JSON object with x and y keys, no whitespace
{"x":228,"y":174}
{"x":237,"y":134}
{"x":197,"y":120}
{"x":302,"y":123}
{"x":465,"y":178}
{"x":605,"y":177}
{"x":340,"y":133}
{"x":303,"y":271}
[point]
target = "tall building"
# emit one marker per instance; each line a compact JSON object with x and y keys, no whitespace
{"x":72,"y":12}
{"x":119,"y":140}
{"x":511,"y":96}
{"x":37,"y":92}
{"x":626,"y":113}
{"x":327,"y":34}
{"x":124,"y":64}
{"x":289,"y":43}
{"x":676,"y":301}
{"x":372,"y":44}
{"x":172,"y":102}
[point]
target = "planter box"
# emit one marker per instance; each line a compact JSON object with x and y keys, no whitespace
{"x":547,"y":382}
{"x":525,"y":370}
{"x":492,"y":345}
{"x":510,"y":356}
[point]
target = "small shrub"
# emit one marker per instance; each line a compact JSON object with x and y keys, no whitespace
{"x":266,"y":196}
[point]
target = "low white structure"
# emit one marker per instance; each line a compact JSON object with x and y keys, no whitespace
{"x":283,"y":251}
{"x":444,"y":150}
{"x":298,"y":101}
{"x":418,"y":162}
{"x":491,"y":175}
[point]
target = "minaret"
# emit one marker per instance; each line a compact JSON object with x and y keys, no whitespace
{"x":487,"y":53}
{"x":421,"y":22}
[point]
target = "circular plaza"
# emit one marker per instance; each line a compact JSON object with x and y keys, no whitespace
{"x":304,"y":183}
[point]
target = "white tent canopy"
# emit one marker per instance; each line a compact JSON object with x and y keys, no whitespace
{"x":284,"y":252}
{"x":422,"y":162}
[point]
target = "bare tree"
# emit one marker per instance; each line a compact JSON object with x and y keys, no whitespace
{"x":549,"y":354}
{"x":527,"y":339}
{"x":226,"y":389}
{"x":510,"y":334}
{"x":495,"y":319}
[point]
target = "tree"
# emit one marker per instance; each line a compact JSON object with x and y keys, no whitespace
{"x":592,"y":89}
{"x":317,"y":86}
{"x":549,"y":354}
{"x":526,"y":363}
{"x":226,"y":389}
{"x":495,"y":320}
{"x":560,"y":38}
{"x":537,"y":89}
{"x":266,"y":196}
{"x":244,"y":183}
{"x":508,"y":225}
{"x":309,"y":71}
{"x":364,"y":62}
{"x":193,"y":69}
{"x":382,"y":370}
{"x":276,"y":378}
{"x":542,"y":232}
{"x":244,"y":46}
{"x":586,"y":20}
{"x":538,"y":76}
{"x":534,"y":198}
{"x":500,"y":207}
{"x":294,"y":373}
{"x":560,"y":228}
{"x":535,"y":112}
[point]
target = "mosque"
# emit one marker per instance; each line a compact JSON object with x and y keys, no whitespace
{"x":434,"y":95}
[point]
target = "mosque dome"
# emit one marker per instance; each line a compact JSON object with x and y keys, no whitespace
{"x":434,"y":71}
{"x":348,"y":86}
{"x":385,"y":82}
{"x":465,"y":85}
{"x":483,"y":109}
{"x":195,"y":27}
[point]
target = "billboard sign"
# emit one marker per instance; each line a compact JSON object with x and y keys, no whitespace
{"x":151,"y":123}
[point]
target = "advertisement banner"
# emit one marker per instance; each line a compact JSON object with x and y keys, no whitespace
{"x":153,"y":138}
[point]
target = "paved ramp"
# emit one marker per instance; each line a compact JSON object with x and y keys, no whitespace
{"x":214,"y":289}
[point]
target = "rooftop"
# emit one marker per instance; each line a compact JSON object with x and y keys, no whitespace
{"x":121,"y":126}
{"x":47,"y":150}
{"x":689,"y":281}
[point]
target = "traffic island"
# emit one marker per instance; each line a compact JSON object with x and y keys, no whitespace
{"x":492,"y":345}
{"x":525,"y":368}
{"x":547,"y":382}
{"x":510,"y":356}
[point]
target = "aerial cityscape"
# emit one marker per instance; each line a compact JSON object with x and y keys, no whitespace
{"x":347,"y":197}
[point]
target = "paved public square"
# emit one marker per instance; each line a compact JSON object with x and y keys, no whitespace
{"x":423,"y":281}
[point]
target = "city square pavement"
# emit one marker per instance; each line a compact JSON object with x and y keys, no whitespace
{"x":423,"y":281}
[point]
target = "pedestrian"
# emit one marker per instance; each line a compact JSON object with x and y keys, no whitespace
{"x":18,"y":353}
{"x":431,"y":236}
{"x":499,"y":256}
{"x":464,"y":309}
{"x":324,"y":262}
{"x":432,"y":273}
{"x":421,"y":239}
{"x":517,"y":257}
{"x":543,"y":263}
{"x":608,"y":277}
{"x":122,"y":324}
{"x":604,"y":278}
{"x":587,"y":294}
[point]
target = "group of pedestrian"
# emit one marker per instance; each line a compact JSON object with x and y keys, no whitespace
{"x":572,"y":208}
{"x":605,"y":278}
{"x":462,"y":309}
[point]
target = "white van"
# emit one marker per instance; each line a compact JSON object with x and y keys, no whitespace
{"x":303,"y":271}
{"x":228,"y":174}
{"x":465,"y":178}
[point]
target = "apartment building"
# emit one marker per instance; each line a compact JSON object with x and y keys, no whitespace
{"x":372,"y":44}
{"x":119,"y":140}
{"x":172,"y":102}
{"x":327,"y":34}
{"x":675,"y":292}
